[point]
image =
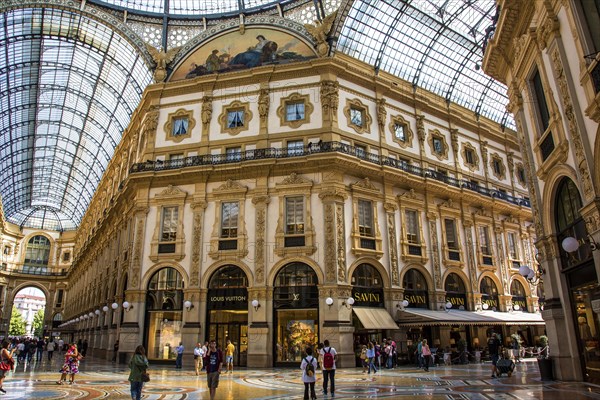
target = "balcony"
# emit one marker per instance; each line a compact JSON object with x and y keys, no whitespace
{"x":324,"y":147}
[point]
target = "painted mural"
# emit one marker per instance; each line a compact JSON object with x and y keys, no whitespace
{"x":234,"y":51}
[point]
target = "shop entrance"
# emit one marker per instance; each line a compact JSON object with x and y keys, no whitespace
{"x":237,"y":332}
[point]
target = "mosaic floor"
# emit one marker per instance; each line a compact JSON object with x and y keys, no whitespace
{"x":99,"y":379}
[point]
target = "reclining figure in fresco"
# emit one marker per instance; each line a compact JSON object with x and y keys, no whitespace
{"x":263,"y":51}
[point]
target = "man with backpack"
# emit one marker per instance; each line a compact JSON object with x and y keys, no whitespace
{"x":309,"y":367}
{"x":329,"y":357}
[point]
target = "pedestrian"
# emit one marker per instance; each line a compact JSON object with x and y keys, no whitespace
{"x":6,"y":364}
{"x":377,"y":354}
{"x":84,"y":347}
{"x":213,"y":361}
{"x":40,"y":349}
{"x":426,"y":352}
{"x":115,"y":351}
{"x":494,"y":350}
{"x":61,"y":345}
{"x":21,"y":351}
{"x":309,"y":376}
{"x":230,"y":351}
{"x":198,"y":356}
{"x":179,"y":349}
{"x":371,"y":357}
{"x":138,"y":365}
{"x":320,"y":356}
{"x":50,"y":348}
{"x":70,"y":366}
{"x":363,"y":358}
{"x":329,"y":358}
{"x":205,"y":350}
{"x":419,"y":354}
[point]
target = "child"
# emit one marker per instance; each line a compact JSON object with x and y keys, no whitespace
{"x":309,"y":374}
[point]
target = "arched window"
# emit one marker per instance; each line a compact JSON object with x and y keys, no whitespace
{"x":415,"y":289}
{"x":37,"y":255}
{"x":229,"y":276}
{"x":519,"y":296}
{"x":489,"y":293}
{"x":569,"y":223}
{"x":456,"y":292}
{"x":164,"y":312}
{"x":296,"y":303}
{"x":367,"y":287}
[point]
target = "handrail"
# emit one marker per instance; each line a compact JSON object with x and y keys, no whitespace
{"x":318,"y":148}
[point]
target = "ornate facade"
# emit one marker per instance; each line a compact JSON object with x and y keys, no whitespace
{"x":547,"y":53}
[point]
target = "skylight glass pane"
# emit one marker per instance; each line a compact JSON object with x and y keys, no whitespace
{"x":433,"y":44}
{"x":77,"y":73}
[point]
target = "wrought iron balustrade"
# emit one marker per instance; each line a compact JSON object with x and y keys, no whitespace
{"x":320,"y":148}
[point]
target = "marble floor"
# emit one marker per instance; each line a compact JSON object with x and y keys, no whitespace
{"x":99,"y":379}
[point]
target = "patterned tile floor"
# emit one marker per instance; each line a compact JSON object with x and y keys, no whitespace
{"x":99,"y":379}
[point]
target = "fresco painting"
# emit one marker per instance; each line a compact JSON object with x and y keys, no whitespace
{"x":234,"y":51}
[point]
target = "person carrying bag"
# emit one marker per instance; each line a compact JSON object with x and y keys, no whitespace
{"x":138,"y":374}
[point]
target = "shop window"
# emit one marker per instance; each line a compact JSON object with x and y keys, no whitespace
{"x":295,"y":148}
{"x":235,"y":117}
{"x":179,"y":125}
{"x":540,"y":101}
{"x":519,"y":296}
{"x":489,"y":293}
{"x":294,"y":221}
{"x":365,"y":224}
{"x":229,"y":225}
{"x":451,"y":239}
{"x":367,"y":287}
{"x":513,"y":249}
{"x":295,"y":110}
{"x":164,"y":312}
{"x":484,"y":245}
{"x":401,"y":132}
{"x":37,"y":255}
{"x":233,"y":154}
{"x":357,"y":115}
{"x":456,"y":293}
{"x":415,"y":289}
{"x":168,"y":231}
{"x":296,"y":302}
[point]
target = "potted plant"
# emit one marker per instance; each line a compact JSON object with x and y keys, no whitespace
{"x":544,"y":360}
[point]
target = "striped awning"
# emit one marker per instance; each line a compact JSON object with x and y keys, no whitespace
{"x":420,"y":317}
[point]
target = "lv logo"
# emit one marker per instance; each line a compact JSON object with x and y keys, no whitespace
{"x":296,"y":296}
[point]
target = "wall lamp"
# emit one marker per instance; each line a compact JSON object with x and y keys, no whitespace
{"x":485,"y":306}
{"x":105,"y":309}
{"x":255,"y":304}
{"x":97,"y":312}
{"x":188,"y":305}
{"x":402,"y":304}
{"x":534,"y":276}
{"x":127,"y":306}
{"x":329,"y":301}
{"x":571,"y":244}
{"x":114,"y":306}
{"x":91,"y":314}
{"x":348,"y":302}
{"x":448,"y":306}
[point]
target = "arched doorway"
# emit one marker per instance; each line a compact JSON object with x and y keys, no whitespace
{"x":27,"y":318}
{"x":164,"y":312}
{"x":227,"y":310}
{"x":580,"y":273}
{"x":296,"y":312}
{"x":456,"y":294}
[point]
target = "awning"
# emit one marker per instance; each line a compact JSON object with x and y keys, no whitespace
{"x":375,"y":318}
{"x":419,"y":317}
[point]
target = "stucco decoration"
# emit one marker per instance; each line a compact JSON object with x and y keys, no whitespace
{"x":437,"y":272}
{"x":260,"y":202}
{"x":161,"y":60}
{"x":341,"y":243}
{"x":582,"y":164}
{"x":320,"y":32}
{"x":390,"y":209}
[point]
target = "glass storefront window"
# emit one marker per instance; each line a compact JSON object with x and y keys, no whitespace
{"x":164,"y":334}
{"x":588,"y":329}
{"x":296,"y":330}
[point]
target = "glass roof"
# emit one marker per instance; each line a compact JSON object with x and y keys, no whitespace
{"x":434,"y":44}
{"x":192,"y":7}
{"x":68,"y":87}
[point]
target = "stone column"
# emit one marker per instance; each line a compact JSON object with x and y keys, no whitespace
{"x":260,"y":335}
